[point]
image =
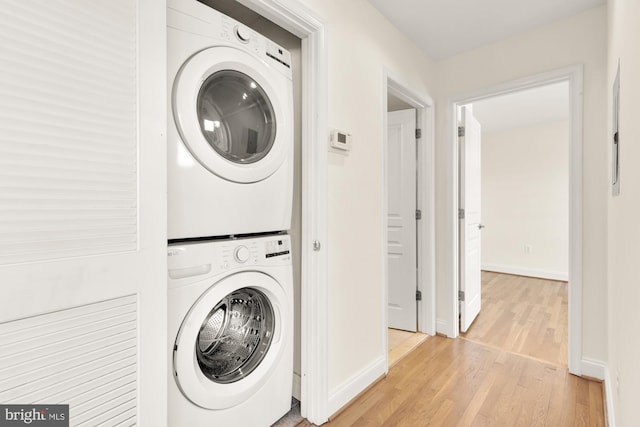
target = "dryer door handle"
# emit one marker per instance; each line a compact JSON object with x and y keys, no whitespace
{"x":181,"y":273}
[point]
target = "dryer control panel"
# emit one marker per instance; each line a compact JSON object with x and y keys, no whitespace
{"x":233,"y":30}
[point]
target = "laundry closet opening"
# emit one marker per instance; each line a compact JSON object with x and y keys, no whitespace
{"x":293,"y":44}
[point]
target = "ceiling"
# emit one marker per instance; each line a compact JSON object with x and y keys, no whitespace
{"x":523,"y":108}
{"x":443,"y":28}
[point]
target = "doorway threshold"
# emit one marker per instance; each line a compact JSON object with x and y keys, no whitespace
{"x":401,"y":343}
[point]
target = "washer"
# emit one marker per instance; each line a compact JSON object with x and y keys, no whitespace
{"x":230,"y":332}
{"x":230,"y":132}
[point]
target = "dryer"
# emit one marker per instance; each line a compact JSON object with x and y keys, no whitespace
{"x":230,"y":332}
{"x":230,"y":132}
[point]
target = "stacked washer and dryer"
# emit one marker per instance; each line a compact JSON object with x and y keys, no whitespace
{"x":230,"y":172}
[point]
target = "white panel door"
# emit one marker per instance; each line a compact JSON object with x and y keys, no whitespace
{"x":470,"y":225}
{"x":83,"y":216}
{"x":401,"y":220}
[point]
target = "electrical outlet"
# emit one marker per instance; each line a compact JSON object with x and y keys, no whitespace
{"x":527,"y":249}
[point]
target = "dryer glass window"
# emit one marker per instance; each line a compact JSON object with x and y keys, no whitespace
{"x":235,"y":336}
{"x":236,"y":117}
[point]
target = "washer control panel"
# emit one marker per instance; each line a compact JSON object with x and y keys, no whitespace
{"x":277,"y":247}
{"x":205,"y":258}
{"x":241,"y":254}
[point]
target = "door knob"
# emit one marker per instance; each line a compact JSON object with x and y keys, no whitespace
{"x":481,"y":226}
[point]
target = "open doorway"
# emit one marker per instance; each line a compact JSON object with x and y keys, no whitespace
{"x":573,"y":77}
{"x":523,"y":190}
{"x":408,"y":220}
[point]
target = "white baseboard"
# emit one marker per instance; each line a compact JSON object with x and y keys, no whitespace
{"x":349,"y":389}
{"x":593,"y":368}
{"x":600,"y":370}
{"x":297,"y":386}
{"x":608,"y":392}
{"x":531,"y":272}
{"x":442,"y":327}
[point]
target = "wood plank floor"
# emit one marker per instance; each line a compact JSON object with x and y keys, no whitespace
{"x":508,"y":370}
{"x":447,"y":382}
{"x":523,"y":315}
{"x":401,"y":343}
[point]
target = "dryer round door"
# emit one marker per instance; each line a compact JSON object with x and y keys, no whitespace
{"x":234,"y":113}
{"x":231,"y":339}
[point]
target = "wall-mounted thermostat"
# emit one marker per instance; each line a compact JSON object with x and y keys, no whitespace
{"x":340,"y":140}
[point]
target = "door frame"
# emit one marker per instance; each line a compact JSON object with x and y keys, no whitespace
{"x":296,"y":18}
{"x":574,"y":76}
{"x":425,"y":164}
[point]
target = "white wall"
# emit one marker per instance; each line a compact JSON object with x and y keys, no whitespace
{"x":525,"y":200}
{"x":360,"y":44}
{"x":580,"y":39}
{"x":624,"y":226}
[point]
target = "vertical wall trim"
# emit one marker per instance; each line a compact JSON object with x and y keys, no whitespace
{"x":297,"y":19}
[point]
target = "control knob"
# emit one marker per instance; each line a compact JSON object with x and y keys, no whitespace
{"x":243,"y":33}
{"x":241,"y":254}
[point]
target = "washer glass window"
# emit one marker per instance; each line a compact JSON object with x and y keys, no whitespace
{"x":236,"y":116}
{"x":235,"y":336}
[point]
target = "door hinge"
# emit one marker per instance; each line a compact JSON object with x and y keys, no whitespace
{"x":460,"y":295}
{"x":461,"y":131}
{"x":418,"y":214}
{"x":418,"y":295}
{"x":418,"y":133}
{"x":460,"y":213}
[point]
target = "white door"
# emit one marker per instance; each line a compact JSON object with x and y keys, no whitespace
{"x":470,"y":226}
{"x":218,"y":367}
{"x":83,"y":196}
{"x":401,"y":220}
{"x":239,"y":127}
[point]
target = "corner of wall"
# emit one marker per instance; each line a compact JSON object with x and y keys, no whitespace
{"x":610,"y":418}
{"x":443,"y":327}
{"x":593,"y":368}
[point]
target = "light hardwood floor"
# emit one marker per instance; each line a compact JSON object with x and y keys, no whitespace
{"x":523,"y":315}
{"x":447,"y":382}
{"x":510,"y":370}
{"x":401,"y":343}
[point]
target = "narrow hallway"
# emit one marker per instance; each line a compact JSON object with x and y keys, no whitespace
{"x":447,"y":382}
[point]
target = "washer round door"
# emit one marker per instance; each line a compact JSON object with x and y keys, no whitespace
{"x":234,"y":113}
{"x":230,"y":340}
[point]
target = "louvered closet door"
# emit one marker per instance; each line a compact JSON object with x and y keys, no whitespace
{"x":82,"y":208}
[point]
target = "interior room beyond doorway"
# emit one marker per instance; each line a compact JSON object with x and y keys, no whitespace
{"x":524,"y":222}
{"x":523,"y":315}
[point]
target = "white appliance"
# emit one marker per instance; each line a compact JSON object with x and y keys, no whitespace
{"x":230,"y":332}
{"x":230,"y":131}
